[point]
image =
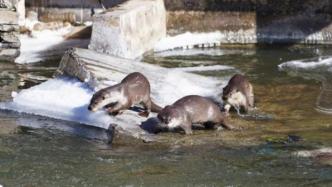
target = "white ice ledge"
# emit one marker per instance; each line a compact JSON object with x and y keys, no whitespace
{"x":189,"y":40}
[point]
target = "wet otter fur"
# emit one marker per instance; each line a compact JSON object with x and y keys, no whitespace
{"x":134,"y":89}
{"x":192,"y":109}
{"x":238,"y":94}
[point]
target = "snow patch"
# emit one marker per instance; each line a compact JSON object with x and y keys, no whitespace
{"x":41,"y":45}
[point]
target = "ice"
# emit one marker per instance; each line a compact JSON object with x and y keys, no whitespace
{"x":189,"y":40}
{"x":205,"y":68}
{"x":207,"y":52}
{"x":67,"y":99}
{"x":311,"y":64}
{"x":60,"y":98}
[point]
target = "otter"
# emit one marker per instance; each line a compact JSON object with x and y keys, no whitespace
{"x":192,"y":109}
{"x":134,"y":89}
{"x":239,"y":94}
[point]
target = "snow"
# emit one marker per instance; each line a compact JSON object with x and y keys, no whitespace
{"x":41,"y":45}
{"x":189,"y":40}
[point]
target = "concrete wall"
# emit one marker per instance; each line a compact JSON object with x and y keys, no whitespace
{"x":255,"y":21}
{"x":245,"y":21}
{"x":65,"y":10}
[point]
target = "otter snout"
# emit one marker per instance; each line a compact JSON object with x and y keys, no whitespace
{"x":92,"y":109}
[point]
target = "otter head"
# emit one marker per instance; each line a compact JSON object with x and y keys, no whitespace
{"x":233,"y":97}
{"x":170,"y":117}
{"x":105,"y":97}
{"x":228,"y":91}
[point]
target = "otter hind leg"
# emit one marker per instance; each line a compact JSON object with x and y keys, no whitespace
{"x":222,"y":122}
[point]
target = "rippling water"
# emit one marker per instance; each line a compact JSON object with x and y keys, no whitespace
{"x":262,"y":154}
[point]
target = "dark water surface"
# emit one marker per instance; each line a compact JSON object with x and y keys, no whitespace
{"x":262,"y":154}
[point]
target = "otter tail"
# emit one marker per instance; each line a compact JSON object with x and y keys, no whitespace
{"x":155,"y":108}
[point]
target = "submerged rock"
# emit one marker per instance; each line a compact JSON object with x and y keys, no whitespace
{"x":322,"y":156}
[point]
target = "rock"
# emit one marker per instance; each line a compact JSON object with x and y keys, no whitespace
{"x":10,"y":45}
{"x":130,"y":29}
{"x":9,"y":54}
{"x":8,"y":28}
{"x":8,"y":17}
{"x":9,"y":37}
{"x":10,"y":4}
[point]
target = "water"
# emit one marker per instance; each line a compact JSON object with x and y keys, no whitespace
{"x":262,"y":154}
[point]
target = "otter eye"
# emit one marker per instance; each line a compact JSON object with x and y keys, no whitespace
{"x":103,"y":97}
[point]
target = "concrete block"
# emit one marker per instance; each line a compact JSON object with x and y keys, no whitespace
{"x":130,"y":29}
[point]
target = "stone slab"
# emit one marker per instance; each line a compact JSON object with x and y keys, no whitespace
{"x":8,"y":17}
{"x":130,"y":29}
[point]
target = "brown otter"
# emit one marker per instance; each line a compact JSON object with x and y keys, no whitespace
{"x":192,"y":109}
{"x":132,"y":90}
{"x":239,"y":94}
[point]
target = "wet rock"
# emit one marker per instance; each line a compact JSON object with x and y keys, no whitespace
{"x":322,"y":156}
{"x":282,"y":139}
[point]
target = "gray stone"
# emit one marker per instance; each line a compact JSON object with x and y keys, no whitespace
{"x":9,"y":37}
{"x":129,"y":30}
{"x":9,"y":54}
{"x":10,"y":4}
{"x":10,"y":45}
{"x":8,"y":17}
{"x":9,"y":28}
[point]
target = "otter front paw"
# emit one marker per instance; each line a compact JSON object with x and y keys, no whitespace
{"x":144,"y":114}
